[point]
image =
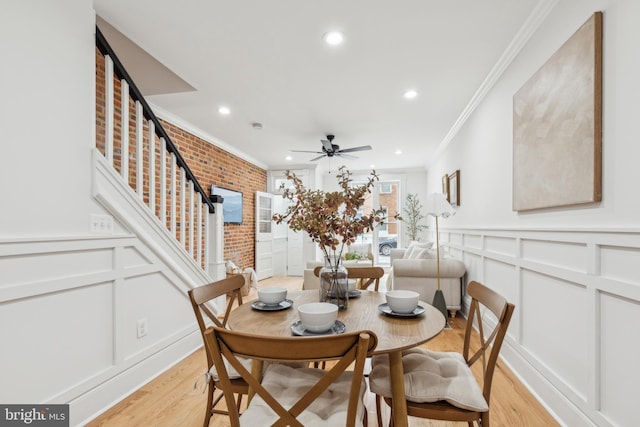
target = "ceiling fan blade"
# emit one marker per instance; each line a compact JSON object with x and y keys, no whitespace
{"x":305,"y":151}
{"x":318,"y":158}
{"x":346,"y":156}
{"x":327,"y":145}
{"x":349,"y":150}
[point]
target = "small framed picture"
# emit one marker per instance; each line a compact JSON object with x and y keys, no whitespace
{"x":454,"y":188}
{"x":445,"y":186}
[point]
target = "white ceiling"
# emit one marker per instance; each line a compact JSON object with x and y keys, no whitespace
{"x":267,"y":61}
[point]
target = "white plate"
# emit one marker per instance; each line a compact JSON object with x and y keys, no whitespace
{"x":355,"y":293}
{"x":299,"y":330}
{"x":282,"y":305}
{"x":387,"y":310}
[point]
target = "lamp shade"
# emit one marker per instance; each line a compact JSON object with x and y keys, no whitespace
{"x":437,"y":205}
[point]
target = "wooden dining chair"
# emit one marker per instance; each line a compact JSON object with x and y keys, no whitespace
{"x":199,"y":297}
{"x":295,"y":396}
{"x":367,"y":275}
{"x":441,"y":385}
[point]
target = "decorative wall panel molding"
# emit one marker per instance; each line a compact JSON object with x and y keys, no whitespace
{"x":577,"y":297}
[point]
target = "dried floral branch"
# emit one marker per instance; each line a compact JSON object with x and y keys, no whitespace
{"x":330,"y":218}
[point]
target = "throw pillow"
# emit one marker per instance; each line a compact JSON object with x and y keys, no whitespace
{"x":421,"y":254}
{"x":415,"y":247}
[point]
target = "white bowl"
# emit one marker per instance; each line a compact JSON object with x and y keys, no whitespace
{"x":272,"y":296}
{"x":401,"y":301}
{"x":318,"y":316}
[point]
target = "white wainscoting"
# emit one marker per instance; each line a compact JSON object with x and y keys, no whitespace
{"x":68,"y":314}
{"x":574,"y":335}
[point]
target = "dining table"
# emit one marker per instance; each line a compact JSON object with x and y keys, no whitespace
{"x":365,"y":312}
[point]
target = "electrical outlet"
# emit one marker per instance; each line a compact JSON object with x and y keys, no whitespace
{"x":142,"y":327}
{"x":101,"y":224}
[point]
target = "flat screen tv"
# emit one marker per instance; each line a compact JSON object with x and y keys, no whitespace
{"x":231,"y":205}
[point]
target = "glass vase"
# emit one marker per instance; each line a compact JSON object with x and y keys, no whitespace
{"x":334,"y":283}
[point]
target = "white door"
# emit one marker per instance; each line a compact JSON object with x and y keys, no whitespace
{"x":295,"y":250}
{"x":288,"y":244}
{"x":264,"y":235}
{"x":280,"y":232}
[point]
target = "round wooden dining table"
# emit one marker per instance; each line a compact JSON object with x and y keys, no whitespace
{"x":395,"y":334}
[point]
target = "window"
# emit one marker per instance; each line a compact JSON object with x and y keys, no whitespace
{"x":385,"y":188}
{"x":384,"y":227}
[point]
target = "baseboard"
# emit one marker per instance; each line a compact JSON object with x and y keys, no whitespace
{"x":558,"y":405}
{"x":92,"y":403}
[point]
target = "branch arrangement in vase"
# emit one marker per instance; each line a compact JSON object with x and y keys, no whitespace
{"x":330,"y":218}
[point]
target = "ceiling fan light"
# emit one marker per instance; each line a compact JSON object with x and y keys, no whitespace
{"x":334,"y":38}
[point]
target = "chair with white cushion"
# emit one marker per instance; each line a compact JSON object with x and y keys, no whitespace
{"x":199,"y":297}
{"x":296,"y":396}
{"x":441,"y":385}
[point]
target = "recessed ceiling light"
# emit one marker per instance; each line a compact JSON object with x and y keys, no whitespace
{"x":372,"y":166}
{"x":289,"y":158}
{"x":224,"y":111}
{"x":334,"y":38}
{"x":398,"y":151}
{"x":410,"y":94}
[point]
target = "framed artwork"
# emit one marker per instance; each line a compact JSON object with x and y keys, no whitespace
{"x":557,"y":126}
{"x":445,"y":186}
{"x":454,"y":188}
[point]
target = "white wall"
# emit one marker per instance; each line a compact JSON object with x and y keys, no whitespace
{"x":47,"y":119}
{"x":483,"y":148}
{"x":570,"y":271}
{"x":70,"y":300}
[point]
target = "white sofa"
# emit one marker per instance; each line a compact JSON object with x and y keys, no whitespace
{"x":365,"y":259}
{"x":419,"y":273}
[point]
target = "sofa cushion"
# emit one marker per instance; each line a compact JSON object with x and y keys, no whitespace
{"x":416,"y":247}
{"x":421,"y":254}
{"x":431,"y":376}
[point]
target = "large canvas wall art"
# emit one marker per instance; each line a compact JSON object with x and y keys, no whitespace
{"x":557,"y":126}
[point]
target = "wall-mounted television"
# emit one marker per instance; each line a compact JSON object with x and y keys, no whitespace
{"x":231,"y":205}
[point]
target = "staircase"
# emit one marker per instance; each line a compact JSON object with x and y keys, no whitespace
{"x":137,"y":148}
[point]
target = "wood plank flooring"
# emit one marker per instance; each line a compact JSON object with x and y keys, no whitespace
{"x":171,"y":400}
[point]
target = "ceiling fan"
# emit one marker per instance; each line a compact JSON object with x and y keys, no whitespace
{"x":329,"y":149}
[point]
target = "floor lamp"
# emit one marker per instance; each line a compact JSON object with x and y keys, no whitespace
{"x":437,"y":206}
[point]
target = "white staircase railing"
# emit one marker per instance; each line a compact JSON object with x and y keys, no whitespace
{"x":133,"y":141}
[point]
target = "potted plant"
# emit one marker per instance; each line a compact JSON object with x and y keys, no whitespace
{"x":413,"y":216}
{"x":331,"y":219}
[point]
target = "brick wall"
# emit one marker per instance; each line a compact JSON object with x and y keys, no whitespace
{"x":213,"y":165}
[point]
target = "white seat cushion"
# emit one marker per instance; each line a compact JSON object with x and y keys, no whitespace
{"x":231,"y":371}
{"x":287,"y":385}
{"x":431,"y":376}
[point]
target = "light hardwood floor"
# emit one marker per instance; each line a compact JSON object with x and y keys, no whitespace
{"x":171,"y":400}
